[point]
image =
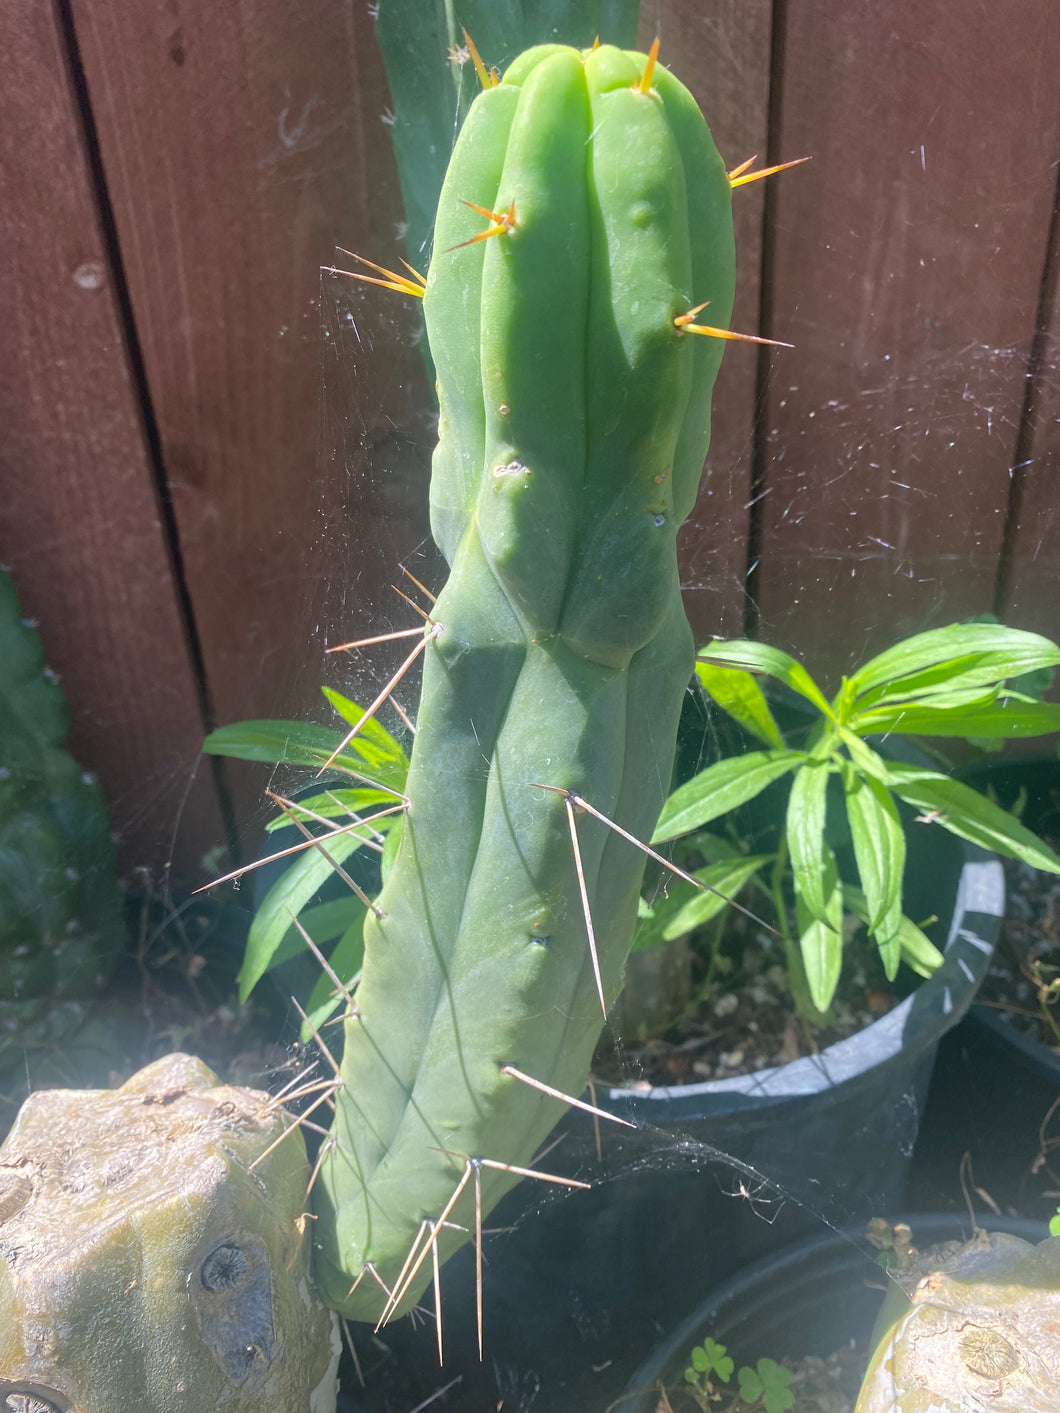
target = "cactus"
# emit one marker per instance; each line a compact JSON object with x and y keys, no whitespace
{"x":575,"y":414}
{"x":432,"y":81}
{"x":174,"y":1277}
{"x":971,"y":1326}
{"x":61,"y":928}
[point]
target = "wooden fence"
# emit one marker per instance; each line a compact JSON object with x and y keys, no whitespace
{"x":213,"y":458}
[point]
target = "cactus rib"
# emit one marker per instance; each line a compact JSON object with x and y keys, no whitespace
{"x":574,"y":422}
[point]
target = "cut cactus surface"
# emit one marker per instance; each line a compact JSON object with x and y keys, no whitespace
{"x":980,"y":1331}
{"x":154,"y":1255}
{"x":585,"y":213}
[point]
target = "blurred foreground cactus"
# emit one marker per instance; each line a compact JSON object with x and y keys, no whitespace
{"x":61,"y":929}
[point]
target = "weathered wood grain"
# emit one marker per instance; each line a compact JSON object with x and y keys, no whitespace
{"x":1030,"y":589}
{"x":79,"y":515}
{"x":909,"y":254}
{"x":242,"y":143}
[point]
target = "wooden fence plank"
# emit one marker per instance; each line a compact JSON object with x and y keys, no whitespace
{"x":79,"y":518}
{"x":720,"y":51}
{"x":1031,"y":596}
{"x":908,"y":260}
{"x":241,"y":143}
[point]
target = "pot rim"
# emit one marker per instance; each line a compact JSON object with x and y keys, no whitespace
{"x":918,"y":1021}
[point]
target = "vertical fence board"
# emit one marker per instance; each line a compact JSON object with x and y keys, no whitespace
{"x":1034,"y":570}
{"x":241,"y":143}
{"x":720,"y":51}
{"x":908,"y":260}
{"x":79,"y":520}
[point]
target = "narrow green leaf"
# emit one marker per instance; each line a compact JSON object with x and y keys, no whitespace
{"x":821,"y":939}
{"x":737,"y":692}
{"x":304,"y":743}
{"x":864,"y":758}
{"x":720,"y":788}
{"x":918,"y":951}
{"x":947,"y":697}
{"x":758,"y":657}
{"x":324,"y":922}
{"x":345,"y":960}
{"x":287,"y":897}
{"x":391,"y":846}
{"x":372,"y":732}
{"x":805,"y":834}
{"x":714,"y":847}
{"x":329,"y":920}
{"x":338,"y":804}
{"x":725,"y":880}
{"x":1005,"y":719}
{"x":1009,"y":650}
{"x":879,"y":850}
{"x":656,"y":916}
{"x":969,"y":815}
{"x":275,"y":742}
{"x":973,"y":673}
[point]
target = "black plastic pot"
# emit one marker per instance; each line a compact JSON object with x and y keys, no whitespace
{"x":993,"y":1086}
{"x":808,"y":1299}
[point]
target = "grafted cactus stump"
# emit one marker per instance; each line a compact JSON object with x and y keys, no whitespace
{"x":981,"y":1332}
{"x":145,"y":1266}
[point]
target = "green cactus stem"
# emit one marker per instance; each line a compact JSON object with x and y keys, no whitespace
{"x":575,"y":417}
{"x":432,"y":80}
{"x":61,"y":927}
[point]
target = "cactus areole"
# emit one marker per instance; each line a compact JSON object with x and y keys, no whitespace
{"x":575,"y":418}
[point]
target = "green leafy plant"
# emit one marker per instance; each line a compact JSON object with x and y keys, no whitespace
{"x":364,"y":780}
{"x":953,"y":681}
{"x":767,"y":1385}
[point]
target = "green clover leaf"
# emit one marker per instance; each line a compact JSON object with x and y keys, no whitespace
{"x":776,"y":1386}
